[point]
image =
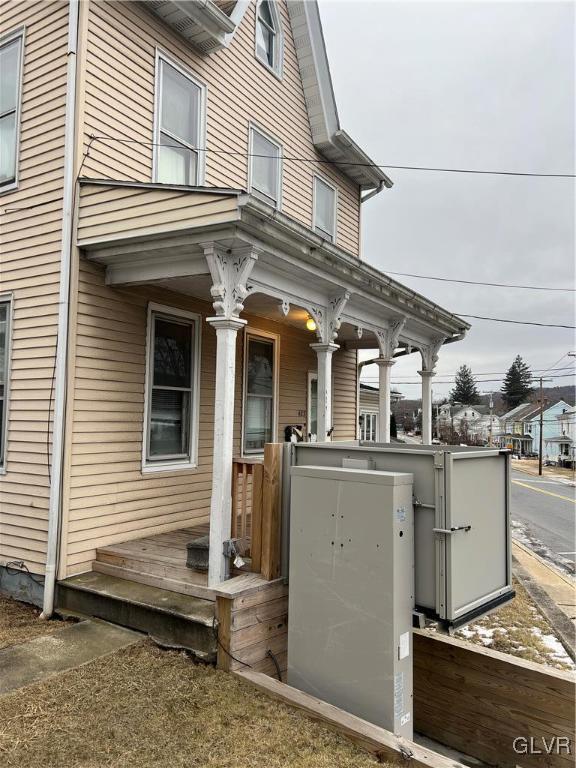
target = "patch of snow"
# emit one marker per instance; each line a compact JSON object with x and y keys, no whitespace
{"x":554,"y":645}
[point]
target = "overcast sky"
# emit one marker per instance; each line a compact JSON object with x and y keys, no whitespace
{"x":467,"y":85}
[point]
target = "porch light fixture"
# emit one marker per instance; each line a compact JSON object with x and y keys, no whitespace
{"x":311,"y":324}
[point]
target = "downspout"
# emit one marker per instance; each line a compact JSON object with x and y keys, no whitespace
{"x":373,"y":192}
{"x":55,"y":502}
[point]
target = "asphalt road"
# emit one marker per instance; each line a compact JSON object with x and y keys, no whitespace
{"x":543,"y":516}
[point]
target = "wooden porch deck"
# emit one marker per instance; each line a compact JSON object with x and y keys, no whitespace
{"x":158,"y":561}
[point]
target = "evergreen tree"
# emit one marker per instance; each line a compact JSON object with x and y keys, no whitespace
{"x":465,"y":390}
{"x":393,"y":427}
{"x":516,"y":387}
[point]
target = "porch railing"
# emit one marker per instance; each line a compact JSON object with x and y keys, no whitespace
{"x":256,"y":486}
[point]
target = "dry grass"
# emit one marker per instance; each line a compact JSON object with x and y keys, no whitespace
{"x":146,"y":708}
{"x":20,"y":622}
{"x":517,"y":629}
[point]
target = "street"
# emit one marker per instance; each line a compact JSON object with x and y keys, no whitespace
{"x":543,"y":515}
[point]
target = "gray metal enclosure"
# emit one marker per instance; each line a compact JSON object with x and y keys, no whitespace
{"x":352,"y":592}
{"x":462,"y":554}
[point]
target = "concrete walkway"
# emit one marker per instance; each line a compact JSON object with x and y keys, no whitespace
{"x":50,"y":655}
{"x":554,"y":593}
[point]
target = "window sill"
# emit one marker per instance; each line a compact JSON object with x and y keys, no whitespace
{"x":4,"y":189}
{"x":173,"y":466}
{"x":276,"y":72}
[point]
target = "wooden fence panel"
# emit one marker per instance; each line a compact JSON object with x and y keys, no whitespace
{"x":479,"y":701}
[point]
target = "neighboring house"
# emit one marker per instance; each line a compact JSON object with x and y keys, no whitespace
{"x":472,"y":422}
{"x":561,"y":447}
{"x":369,"y":410}
{"x":176,"y":289}
{"x":521,"y":428}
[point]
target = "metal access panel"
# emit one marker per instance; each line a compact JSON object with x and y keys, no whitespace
{"x":352,"y":592}
{"x":462,"y":554}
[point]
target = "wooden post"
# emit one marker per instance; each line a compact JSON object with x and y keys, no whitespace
{"x":271,"y":511}
{"x":257,"y":500}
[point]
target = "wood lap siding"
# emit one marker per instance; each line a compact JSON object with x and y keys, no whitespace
{"x":116,"y":212}
{"x":30,"y":269}
{"x":119,"y":103}
{"x":110,"y":499}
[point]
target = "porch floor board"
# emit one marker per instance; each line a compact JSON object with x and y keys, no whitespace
{"x":158,"y":561}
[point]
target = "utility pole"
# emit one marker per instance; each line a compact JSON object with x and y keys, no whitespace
{"x":541,"y":435}
{"x":491,"y":409}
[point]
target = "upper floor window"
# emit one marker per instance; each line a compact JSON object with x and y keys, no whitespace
{"x":179,"y":125}
{"x":10,"y":93}
{"x":5,"y":316}
{"x":269,"y":36}
{"x":325,"y":198}
{"x":265,"y":177}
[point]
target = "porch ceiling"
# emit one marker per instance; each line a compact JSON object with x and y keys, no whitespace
{"x":151,"y":233}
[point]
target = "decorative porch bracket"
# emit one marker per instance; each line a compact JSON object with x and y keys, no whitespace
{"x":387,"y":342}
{"x":328,"y":321}
{"x":230,"y":270}
{"x":429,"y":354}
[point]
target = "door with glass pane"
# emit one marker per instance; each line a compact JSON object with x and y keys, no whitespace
{"x":259,"y":392}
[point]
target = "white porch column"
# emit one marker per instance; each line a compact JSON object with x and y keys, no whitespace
{"x":426,"y":406}
{"x":230,"y":271}
{"x":221,"y":501}
{"x":324,"y":354}
{"x":429,"y":354}
{"x":384,"y":407}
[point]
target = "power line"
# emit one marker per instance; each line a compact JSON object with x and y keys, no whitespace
{"x":478,"y":282}
{"x":478,"y":381}
{"x":516,"y":322}
{"x":296,"y":159}
{"x":504,"y":373}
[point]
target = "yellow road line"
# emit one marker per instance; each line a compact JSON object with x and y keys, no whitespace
{"x":541,"y":490}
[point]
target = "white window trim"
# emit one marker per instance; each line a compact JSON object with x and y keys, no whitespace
{"x":278,"y":69}
{"x":161,"y":55}
{"x":254,"y":127}
{"x":321,"y":233}
{"x":250,"y":332}
{"x":170,"y":465}
{"x":7,"y":298}
{"x":312,"y":376}
{"x":4,"y":39}
{"x":372,"y":413}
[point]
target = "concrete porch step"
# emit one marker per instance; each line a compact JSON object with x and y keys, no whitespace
{"x":170,"y":618}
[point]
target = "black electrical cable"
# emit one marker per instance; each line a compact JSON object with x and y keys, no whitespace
{"x":275,"y":662}
{"x":226,"y":651}
{"x":478,"y":282}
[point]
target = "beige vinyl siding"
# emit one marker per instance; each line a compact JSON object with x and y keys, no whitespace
{"x":121,"y":212}
{"x":119,"y":103}
{"x":29,"y":269}
{"x":110,"y":499}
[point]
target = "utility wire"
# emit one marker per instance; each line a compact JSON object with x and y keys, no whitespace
{"x":516,"y":322}
{"x":478,"y":282}
{"x":478,"y":381}
{"x":297,"y":159}
{"x":504,"y":373}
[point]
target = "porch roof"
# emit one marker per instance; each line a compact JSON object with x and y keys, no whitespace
{"x":149,"y":232}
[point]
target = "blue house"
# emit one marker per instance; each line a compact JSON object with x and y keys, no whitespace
{"x":549,"y":428}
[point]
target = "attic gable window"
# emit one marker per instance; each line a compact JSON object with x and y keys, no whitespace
{"x":269,"y":36}
{"x":10,"y":97}
{"x":179,"y":125}
{"x":265,"y":172}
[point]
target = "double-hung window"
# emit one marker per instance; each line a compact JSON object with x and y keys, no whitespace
{"x":5,"y":333}
{"x":265,"y":177}
{"x":179,"y":132}
{"x":259,"y":392}
{"x":269,"y":36}
{"x":10,"y":95}
{"x":325,"y":201}
{"x":172,"y":388}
